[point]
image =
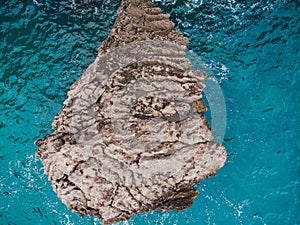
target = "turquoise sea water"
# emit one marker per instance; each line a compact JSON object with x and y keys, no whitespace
{"x":253,"y":49}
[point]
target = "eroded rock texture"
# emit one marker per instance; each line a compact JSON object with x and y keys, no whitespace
{"x":131,"y":136}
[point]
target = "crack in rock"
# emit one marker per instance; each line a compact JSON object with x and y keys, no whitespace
{"x":131,"y":136}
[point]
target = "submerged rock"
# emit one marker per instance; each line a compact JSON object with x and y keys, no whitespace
{"x":131,"y":136}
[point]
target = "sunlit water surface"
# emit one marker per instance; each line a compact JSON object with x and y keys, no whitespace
{"x":252,"y":48}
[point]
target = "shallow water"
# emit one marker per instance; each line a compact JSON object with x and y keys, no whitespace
{"x":251,"y":47}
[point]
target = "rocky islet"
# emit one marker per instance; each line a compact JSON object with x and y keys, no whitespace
{"x":131,"y":136}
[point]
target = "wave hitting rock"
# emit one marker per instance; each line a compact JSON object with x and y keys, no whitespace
{"x":131,"y":136}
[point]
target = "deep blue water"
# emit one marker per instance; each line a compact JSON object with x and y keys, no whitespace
{"x":251,"y":47}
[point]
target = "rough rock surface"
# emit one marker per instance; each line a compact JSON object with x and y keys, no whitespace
{"x":131,"y":136}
